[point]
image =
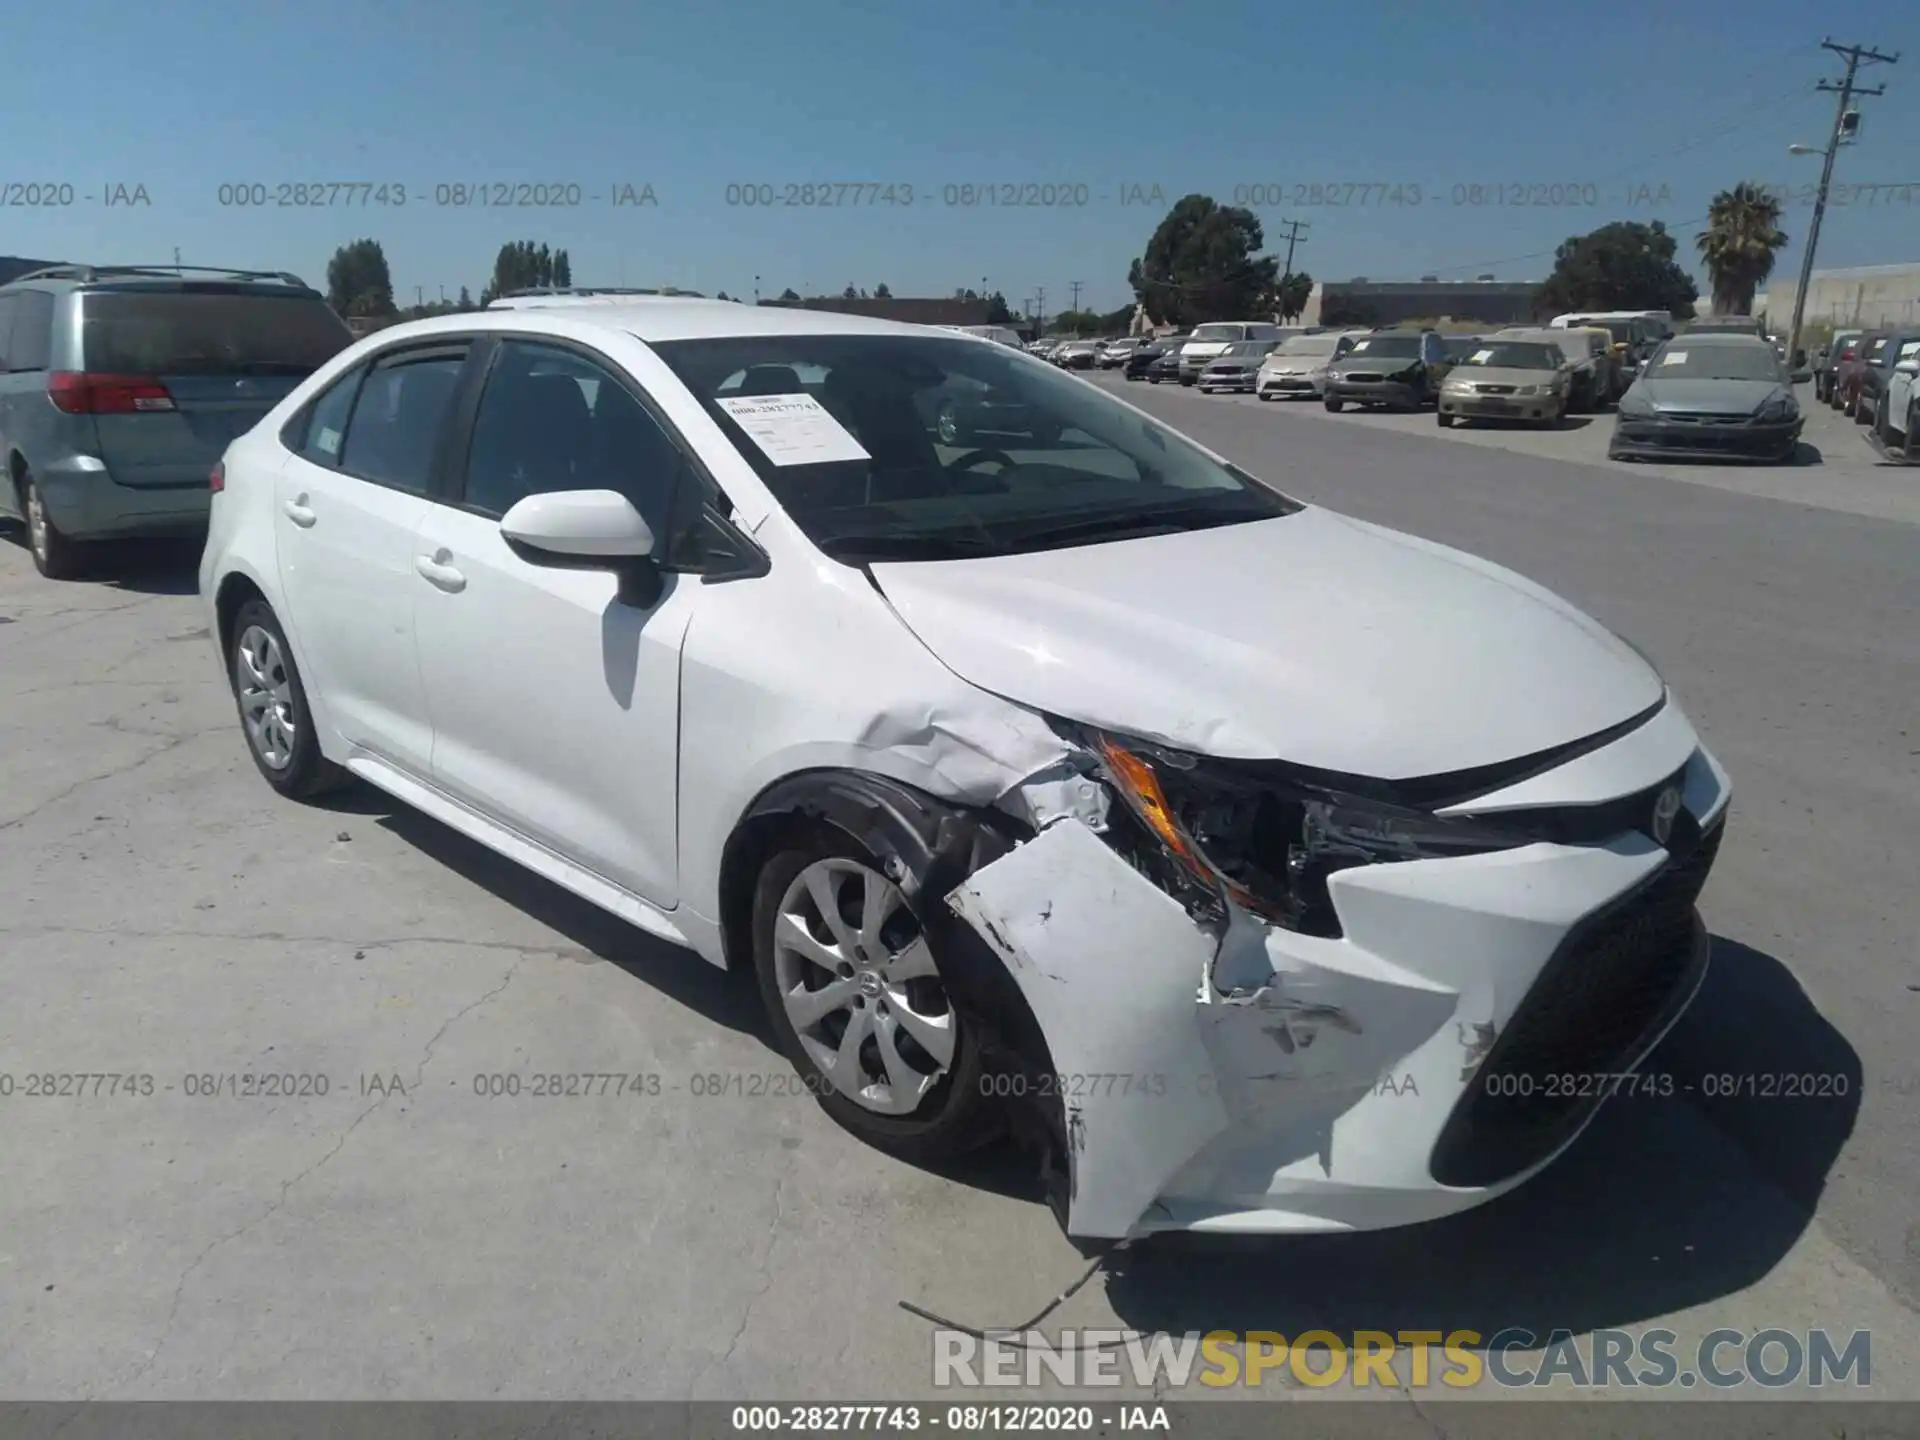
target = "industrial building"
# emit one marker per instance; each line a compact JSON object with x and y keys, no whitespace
{"x":1369,"y":302}
{"x":1865,"y":296}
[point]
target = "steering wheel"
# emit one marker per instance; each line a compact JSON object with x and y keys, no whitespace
{"x":981,"y":456}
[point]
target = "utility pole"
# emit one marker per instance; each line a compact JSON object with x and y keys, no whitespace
{"x":176,"y":260}
{"x":443,"y":294}
{"x":419,"y":297}
{"x":1294,"y":227}
{"x":1076,"y":297}
{"x":1854,"y":54}
{"x":1040,"y":302}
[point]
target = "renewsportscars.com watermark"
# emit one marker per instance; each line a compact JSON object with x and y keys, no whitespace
{"x":1418,"y":1359}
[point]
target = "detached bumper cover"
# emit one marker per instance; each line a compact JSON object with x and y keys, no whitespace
{"x":1500,"y":407}
{"x":1677,"y":436}
{"x":1461,"y":1032}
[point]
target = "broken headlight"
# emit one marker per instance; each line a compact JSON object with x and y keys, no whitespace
{"x":1262,"y":836}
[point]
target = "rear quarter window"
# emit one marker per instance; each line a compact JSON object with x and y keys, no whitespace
{"x":174,"y":332}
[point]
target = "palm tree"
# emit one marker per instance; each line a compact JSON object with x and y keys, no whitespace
{"x":1743,"y":235}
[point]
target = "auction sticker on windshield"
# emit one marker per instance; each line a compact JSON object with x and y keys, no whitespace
{"x":793,"y":429}
{"x":1674,"y":357}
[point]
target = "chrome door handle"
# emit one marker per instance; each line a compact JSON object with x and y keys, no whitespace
{"x":435,"y":570}
{"x":300,"y":514}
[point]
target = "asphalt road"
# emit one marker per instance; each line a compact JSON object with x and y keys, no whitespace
{"x":404,"y":1236}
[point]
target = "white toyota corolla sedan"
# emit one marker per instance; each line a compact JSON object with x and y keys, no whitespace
{"x":1261,"y":869}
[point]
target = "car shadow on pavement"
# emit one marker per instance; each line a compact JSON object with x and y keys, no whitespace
{"x":1662,"y":1205}
{"x":149,"y":567}
{"x":675,"y":971}
{"x":1571,"y":422}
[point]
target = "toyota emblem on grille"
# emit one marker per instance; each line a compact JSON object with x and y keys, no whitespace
{"x":1664,"y":811}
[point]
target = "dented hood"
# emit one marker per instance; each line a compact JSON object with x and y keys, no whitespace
{"x":1311,"y":638}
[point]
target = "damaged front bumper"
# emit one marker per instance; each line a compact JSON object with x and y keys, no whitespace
{"x":1450,"y":1042}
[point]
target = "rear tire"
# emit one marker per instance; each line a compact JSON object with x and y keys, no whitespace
{"x":54,"y":555}
{"x":951,"y":1115}
{"x":1335,"y":406}
{"x":272,"y":703}
{"x":1443,"y":420}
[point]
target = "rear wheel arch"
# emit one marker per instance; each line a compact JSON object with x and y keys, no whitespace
{"x":235,"y":590}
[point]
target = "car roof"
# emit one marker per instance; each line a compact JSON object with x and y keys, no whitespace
{"x":666,"y":318}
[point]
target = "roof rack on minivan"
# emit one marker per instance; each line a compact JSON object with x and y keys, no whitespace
{"x":104,"y":272}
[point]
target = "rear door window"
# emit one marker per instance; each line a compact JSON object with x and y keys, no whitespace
{"x":208,"y":332}
{"x":398,"y":417}
{"x":31,"y":347}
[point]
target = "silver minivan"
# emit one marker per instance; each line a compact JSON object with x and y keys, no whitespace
{"x":122,"y":386}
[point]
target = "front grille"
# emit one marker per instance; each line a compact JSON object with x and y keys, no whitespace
{"x":1616,"y":978}
{"x":1705,"y":418}
{"x":1494,"y":389}
{"x":1364,"y":377}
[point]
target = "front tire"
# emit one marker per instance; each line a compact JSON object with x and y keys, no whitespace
{"x":1443,"y":420}
{"x":854,"y":995}
{"x":272,"y":702}
{"x":1334,"y":405}
{"x":54,"y":555}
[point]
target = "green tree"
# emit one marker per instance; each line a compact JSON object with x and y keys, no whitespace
{"x":358,"y":281}
{"x":466,"y":299}
{"x":881,"y":292}
{"x":1742,"y":238}
{"x":1621,"y":266}
{"x":850,"y":293}
{"x":789,"y":294}
{"x":724,"y":296}
{"x":522,"y":265}
{"x":1203,"y":263}
{"x":1292,"y":295}
{"x":998,"y":311}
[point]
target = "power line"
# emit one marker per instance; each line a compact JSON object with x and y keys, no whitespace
{"x":1855,"y":55}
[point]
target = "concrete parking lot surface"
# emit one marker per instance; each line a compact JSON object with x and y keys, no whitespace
{"x":707,"y":1233}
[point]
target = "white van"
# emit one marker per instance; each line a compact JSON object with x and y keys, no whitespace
{"x":1660,"y":320}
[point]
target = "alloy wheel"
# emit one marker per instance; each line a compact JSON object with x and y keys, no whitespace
{"x":859,"y":986}
{"x":266,"y":696}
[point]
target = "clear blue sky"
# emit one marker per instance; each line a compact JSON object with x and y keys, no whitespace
{"x":1653,"y":105}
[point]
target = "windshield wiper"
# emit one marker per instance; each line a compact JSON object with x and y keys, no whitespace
{"x":1155,"y":520}
{"x":862,"y":549}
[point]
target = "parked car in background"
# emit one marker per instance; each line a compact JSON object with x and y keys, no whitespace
{"x":1237,"y":368}
{"x":1631,"y":340}
{"x":1590,"y":383}
{"x":1298,"y":365}
{"x":1078,"y":354}
{"x":1850,"y":378}
{"x":1894,"y":397}
{"x":1209,"y":341}
{"x":1113,"y":354}
{"x":1658,"y":323}
{"x":1000,"y":333}
{"x":1870,"y":376}
{"x":962,"y":413}
{"x":120,"y":386}
{"x":1148,"y":353}
{"x":967,"y":774}
{"x":1506,"y":380}
{"x":1827,"y":366}
{"x":1614,"y":362}
{"x":1714,"y":395}
{"x":1725,"y":325}
{"x":1898,"y":425}
{"x":1398,"y":369}
{"x":1170,"y":363}
{"x":1040,"y":345}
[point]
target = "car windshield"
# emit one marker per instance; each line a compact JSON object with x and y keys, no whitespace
{"x":886,"y":447}
{"x":208,"y":332}
{"x":1513,"y":355}
{"x":1309,"y":345}
{"x":1387,"y":347}
{"x":1717,"y":362}
{"x":1249,"y":347}
{"x":1215,"y":332}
